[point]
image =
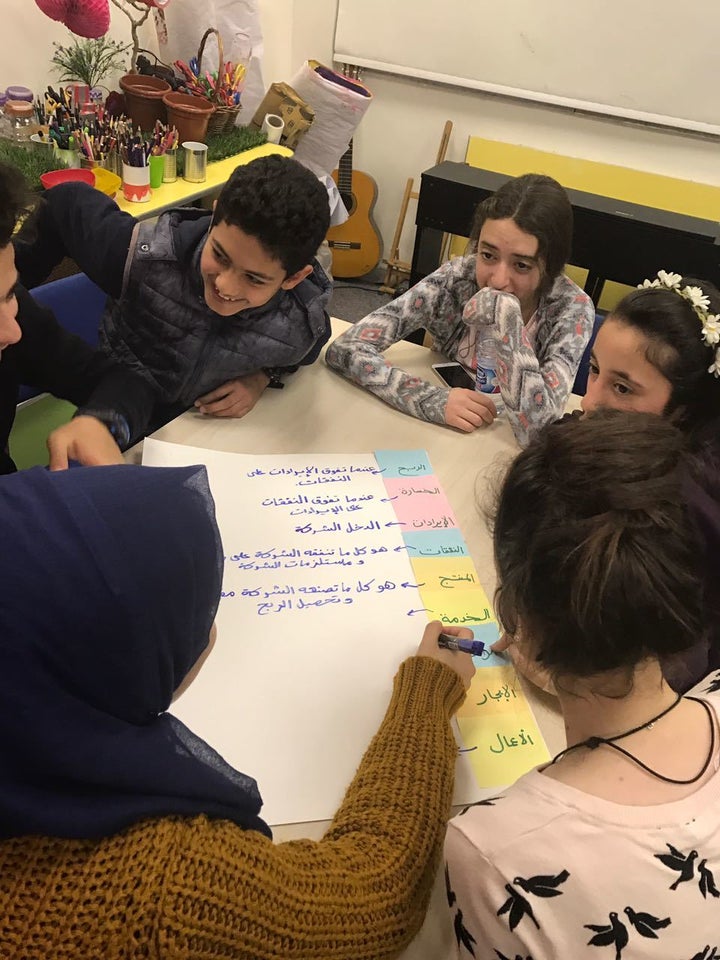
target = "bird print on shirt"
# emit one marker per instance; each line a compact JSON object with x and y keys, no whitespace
{"x":462,"y":934}
{"x":616,"y":933}
{"x":518,"y":907}
{"x":684,"y":864}
{"x":645,"y":923}
{"x":607,"y":934}
{"x":707,"y":881}
{"x":709,"y":953}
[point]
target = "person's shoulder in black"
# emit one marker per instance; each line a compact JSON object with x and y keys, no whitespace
{"x":114,"y":403}
{"x":77,"y":221}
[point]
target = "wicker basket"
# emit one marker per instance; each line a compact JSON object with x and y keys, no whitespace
{"x":223,"y":120}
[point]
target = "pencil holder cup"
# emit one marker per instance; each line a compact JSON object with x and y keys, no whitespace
{"x":42,"y":144}
{"x":87,"y":164}
{"x":157,"y":168}
{"x":170,"y":166}
{"x":71,"y":158}
{"x":195,"y":170}
{"x":136,"y":183}
{"x":113,"y":163}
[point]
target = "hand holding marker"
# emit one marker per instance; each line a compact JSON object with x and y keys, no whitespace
{"x":473,"y":647}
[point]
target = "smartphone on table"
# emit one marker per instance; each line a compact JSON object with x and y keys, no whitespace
{"x":454,"y":375}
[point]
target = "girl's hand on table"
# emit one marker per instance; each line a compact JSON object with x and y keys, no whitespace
{"x":467,"y":410}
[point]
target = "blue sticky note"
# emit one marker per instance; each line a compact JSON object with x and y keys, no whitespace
{"x":489,"y":633}
{"x":403,"y":464}
{"x":435,"y":543}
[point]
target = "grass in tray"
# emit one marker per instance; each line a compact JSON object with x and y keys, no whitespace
{"x":228,"y":144}
{"x":31,"y":161}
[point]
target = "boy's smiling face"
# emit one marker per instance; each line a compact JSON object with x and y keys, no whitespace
{"x":238,"y":273}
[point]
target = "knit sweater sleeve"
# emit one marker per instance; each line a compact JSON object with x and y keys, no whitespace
{"x":359,"y":893}
{"x":435,"y":304}
{"x":536,"y":382}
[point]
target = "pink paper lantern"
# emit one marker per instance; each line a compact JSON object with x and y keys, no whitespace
{"x":85,"y":18}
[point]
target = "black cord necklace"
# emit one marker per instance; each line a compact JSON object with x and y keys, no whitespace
{"x":592,"y":743}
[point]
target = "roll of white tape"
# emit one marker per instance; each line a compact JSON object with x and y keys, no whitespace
{"x":273,"y":126}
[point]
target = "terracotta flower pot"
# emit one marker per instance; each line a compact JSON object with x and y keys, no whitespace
{"x":144,"y":99}
{"x":189,"y":114}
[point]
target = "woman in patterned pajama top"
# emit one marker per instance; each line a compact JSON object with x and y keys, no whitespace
{"x":512,"y":281}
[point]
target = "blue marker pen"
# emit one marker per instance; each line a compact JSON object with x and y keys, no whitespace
{"x":474,"y":647}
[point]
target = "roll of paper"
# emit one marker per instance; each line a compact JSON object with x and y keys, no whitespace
{"x":273,"y":126}
{"x":338,"y":111}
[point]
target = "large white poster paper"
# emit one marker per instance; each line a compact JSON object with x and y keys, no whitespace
{"x":319,"y":608}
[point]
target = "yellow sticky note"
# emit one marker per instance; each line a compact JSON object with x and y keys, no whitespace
{"x":502,"y":746}
{"x":451,"y":574}
{"x":493,"y":691}
{"x":458,"y":608}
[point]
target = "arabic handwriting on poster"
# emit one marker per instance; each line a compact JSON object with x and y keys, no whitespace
{"x":506,"y":691}
{"x":475,"y":616}
{"x":522,"y":739}
{"x":399,"y":464}
{"x":310,"y":474}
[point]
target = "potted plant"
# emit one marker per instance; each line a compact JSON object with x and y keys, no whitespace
{"x":89,"y":61}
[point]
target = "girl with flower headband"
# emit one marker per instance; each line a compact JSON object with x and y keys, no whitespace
{"x":658,"y":352}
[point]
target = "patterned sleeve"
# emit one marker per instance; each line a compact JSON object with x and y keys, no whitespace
{"x":536,"y":385}
{"x":476,"y":894}
{"x":435,"y":304}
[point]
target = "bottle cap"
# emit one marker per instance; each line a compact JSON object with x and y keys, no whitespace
{"x":19,"y":108}
{"x":19,"y":93}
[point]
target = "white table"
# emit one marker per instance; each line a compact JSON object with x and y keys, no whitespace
{"x":320,"y":412}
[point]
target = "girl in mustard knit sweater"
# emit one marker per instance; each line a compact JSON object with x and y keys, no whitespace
{"x":123,"y":834}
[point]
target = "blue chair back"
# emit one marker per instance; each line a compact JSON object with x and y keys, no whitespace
{"x":78,"y":305}
{"x":581,"y":378}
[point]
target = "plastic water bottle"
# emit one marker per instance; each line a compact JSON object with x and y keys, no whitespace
{"x":486,"y":374}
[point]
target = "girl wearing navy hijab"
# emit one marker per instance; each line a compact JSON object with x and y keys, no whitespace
{"x":122,"y":834}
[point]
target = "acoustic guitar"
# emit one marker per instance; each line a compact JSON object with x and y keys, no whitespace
{"x":356,"y":245}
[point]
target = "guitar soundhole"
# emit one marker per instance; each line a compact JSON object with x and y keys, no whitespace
{"x":349,"y":201}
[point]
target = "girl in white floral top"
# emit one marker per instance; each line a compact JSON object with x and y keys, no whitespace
{"x":512,"y":281}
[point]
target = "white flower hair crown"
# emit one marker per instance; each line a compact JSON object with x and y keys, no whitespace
{"x":700,"y":304}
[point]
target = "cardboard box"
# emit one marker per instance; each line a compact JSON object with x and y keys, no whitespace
{"x":297,"y":115}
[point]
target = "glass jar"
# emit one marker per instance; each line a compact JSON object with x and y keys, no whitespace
{"x":21,"y":115}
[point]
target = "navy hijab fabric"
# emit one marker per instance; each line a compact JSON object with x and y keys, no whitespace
{"x":109,"y":584}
